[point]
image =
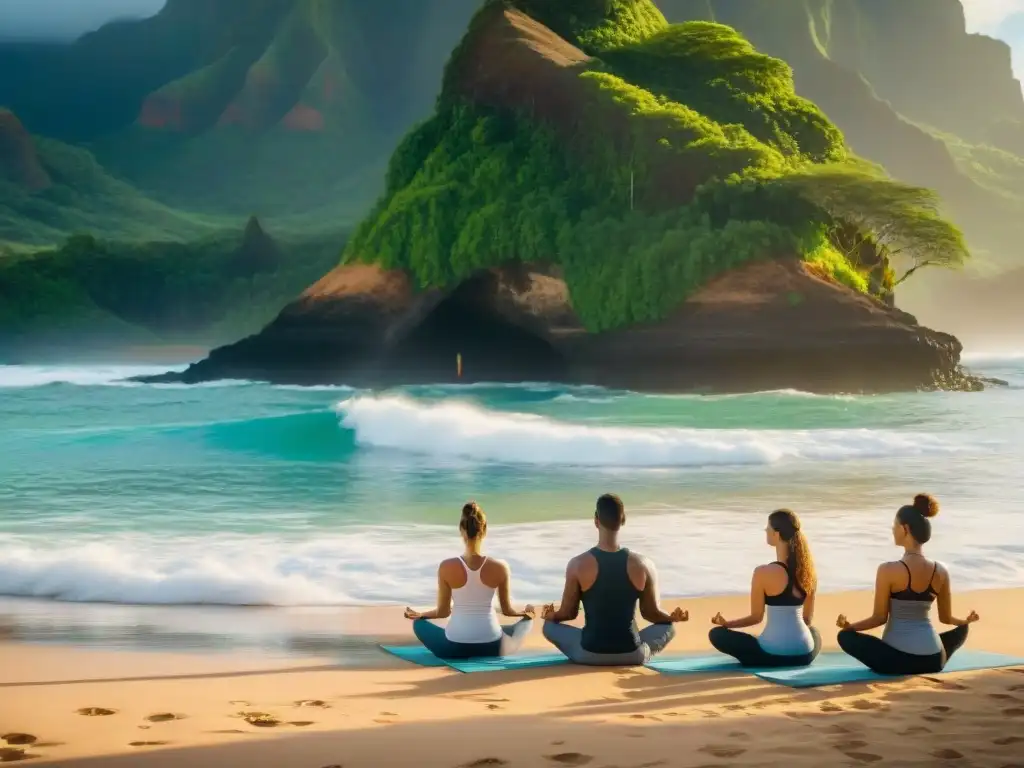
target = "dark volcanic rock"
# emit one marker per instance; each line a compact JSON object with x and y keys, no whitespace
{"x":768,"y":325}
{"x":257,"y":252}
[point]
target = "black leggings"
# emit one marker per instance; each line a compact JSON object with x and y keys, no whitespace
{"x":433,"y":637}
{"x":880,"y":657}
{"x":745,"y":649}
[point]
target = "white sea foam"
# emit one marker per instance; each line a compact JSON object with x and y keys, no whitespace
{"x":453,"y":429}
{"x":696,"y":552}
{"x":24,"y":376}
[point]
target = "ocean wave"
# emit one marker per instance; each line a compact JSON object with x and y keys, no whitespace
{"x":388,"y":564}
{"x":463,"y":430}
{"x":27,"y":376}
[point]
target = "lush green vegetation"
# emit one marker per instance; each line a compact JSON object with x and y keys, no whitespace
{"x":83,"y":196}
{"x":704,"y":159}
{"x":209,"y":290}
{"x":713,"y":70}
{"x":597,"y":26}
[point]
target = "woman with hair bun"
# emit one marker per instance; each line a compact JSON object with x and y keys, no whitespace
{"x":466,"y":587}
{"x":904,"y":593}
{"x":786,"y":588}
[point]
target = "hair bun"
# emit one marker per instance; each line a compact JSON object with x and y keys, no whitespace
{"x":926,"y":505}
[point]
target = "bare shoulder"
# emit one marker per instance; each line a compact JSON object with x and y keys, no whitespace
{"x":580,"y":559}
{"x":498,"y":565}
{"x":769,"y":569}
{"x":641,"y":561}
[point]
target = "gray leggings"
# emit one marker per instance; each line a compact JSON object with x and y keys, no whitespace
{"x":569,"y":640}
{"x":435,"y":640}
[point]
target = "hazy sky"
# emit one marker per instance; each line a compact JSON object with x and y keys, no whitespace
{"x":66,"y":18}
{"x":70,"y":18}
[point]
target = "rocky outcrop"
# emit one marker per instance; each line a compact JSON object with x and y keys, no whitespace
{"x":768,"y":325}
{"x":257,"y":252}
{"x":772,"y":323}
{"x":19,"y":162}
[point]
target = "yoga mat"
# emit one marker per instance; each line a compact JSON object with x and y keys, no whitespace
{"x":417,"y":654}
{"x":833,"y":669}
{"x":685,"y":665}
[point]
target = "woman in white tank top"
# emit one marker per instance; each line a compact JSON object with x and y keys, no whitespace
{"x":466,"y":588}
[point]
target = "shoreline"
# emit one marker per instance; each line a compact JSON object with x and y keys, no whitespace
{"x":366,"y":627}
{"x":172,"y":709}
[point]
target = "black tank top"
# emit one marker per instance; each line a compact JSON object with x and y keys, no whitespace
{"x":786,"y":596}
{"x":610,"y":606}
{"x":909,"y":594}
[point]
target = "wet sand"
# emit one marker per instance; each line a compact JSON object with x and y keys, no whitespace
{"x":65,"y":705}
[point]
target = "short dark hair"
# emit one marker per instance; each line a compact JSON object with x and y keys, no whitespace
{"x":610,"y":512}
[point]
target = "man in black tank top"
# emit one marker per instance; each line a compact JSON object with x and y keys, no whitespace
{"x":610,"y":581}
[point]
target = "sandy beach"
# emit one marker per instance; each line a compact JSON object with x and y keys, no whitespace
{"x":100,"y":708}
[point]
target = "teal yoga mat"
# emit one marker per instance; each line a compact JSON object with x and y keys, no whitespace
{"x":833,"y":669}
{"x":686,"y":665}
{"x":417,"y":654}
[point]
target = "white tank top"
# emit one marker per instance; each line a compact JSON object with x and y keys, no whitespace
{"x":473,"y":619}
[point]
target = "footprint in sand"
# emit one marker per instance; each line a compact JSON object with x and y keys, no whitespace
{"x":1002,"y":696}
{"x":1014,"y":712}
{"x":941,"y":708}
{"x":724,"y":752}
{"x":11,"y":755}
{"x":96,"y":711}
{"x":570,"y":758}
{"x":851,"y":745}
{"x":864,"y":757}
{"x":739,"y":735}
{"x":828,"y":706}
{"x":19,"y":739}
{"x":914,"y":730}
{"x":313,"y":703}
{"x":483,"y":762}
{"x":865,"y":705}
{"x":933,"y":718}
{"x":148,"y":743}
{"x":260,"y":719}
{"x":1008,"y":740}
{"x":164,"y":717}
{"x":300,"y":723}
{"x":947,"y":754}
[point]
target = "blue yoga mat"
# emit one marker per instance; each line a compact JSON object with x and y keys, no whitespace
{"x":417,"y":654}
{"x":836,"y":668}
{"x":684,"y":665}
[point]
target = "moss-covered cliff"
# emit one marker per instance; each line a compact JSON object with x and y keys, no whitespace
{"x":643,"y":158}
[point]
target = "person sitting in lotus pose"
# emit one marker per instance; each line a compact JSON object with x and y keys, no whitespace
{"x":610,"y":581}
{"x":904,"y":593}
{"x":466,"y":587}
{"x":786,"y":590}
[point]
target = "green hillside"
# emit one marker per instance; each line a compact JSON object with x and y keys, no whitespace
{"x":700,"y":157}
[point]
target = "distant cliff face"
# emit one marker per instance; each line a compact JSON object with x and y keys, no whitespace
{"x":256,"y":64}
{"x":19,"y":162}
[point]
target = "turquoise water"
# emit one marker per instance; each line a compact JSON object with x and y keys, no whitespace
{"x":247,"y":494}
